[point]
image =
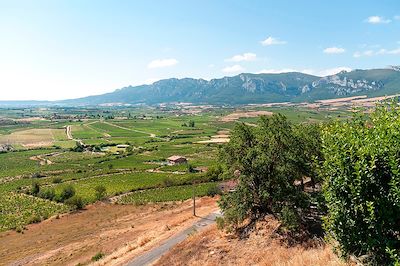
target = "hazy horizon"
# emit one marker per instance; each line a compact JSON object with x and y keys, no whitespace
{"x":71,"y":49}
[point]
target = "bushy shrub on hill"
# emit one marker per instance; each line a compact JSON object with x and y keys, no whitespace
{"x":361,"y":175}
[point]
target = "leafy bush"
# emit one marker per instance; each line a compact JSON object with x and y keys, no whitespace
{"x":75,"y":202}
{"x":270,"y":157}
{"x":289,"y":218}
{"x":100,"y":192}
{"x":98,"y":256}
{"x":213,"y":191}
{"x":35,"y":188}
{"x":67,"y":192}
{"x":57,"y":180}
{"x":168,"y":182}
{"x":214,"y":172}
{"x":48,"y":193}
{"x":362,"y":184}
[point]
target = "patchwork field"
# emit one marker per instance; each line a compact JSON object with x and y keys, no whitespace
{"x":58,"y":164}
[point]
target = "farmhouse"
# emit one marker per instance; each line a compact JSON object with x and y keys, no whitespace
{"x":176,"y":159}
{"x":122,"y":146}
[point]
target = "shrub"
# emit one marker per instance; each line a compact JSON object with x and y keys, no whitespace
{"x":67,"y":192}
{"x":35,"y":188}
{"x":168,"y":182}
{"x":289,"y":218}
{"x":33,"y":219}
{"x":57,"y":180}
{"x":48,"y":193}
{"x":100,"y":192}
{"x":362,"y":184}
{"x":190,"y":168}
{"x":214,"y":173}
{"x":213,"y":191}
{"x":98,"y":256}
{"x":76,"y":202}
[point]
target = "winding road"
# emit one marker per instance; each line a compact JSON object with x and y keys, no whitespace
{"x":154,"y":254}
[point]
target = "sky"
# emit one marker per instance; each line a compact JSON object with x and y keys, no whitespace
{"x":62,"y":49}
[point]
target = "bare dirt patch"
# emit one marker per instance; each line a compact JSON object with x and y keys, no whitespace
{"x":243,"y":114}
{"x":31,"y":138}
{"x":221,"y":137}
{"x":120,"y":231}
{"x":261,"y":247}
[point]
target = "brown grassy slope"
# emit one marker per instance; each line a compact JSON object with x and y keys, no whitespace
{"x":262,"y":247}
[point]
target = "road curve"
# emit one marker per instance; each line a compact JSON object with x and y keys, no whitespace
{"x":152,"y":255}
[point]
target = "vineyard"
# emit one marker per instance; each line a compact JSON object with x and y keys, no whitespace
{"x":168,"y":194}
{"x":33,"y":181}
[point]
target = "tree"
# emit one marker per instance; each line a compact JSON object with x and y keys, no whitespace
{"x":100,"y":192}
{"x":362,"y":184}
{"x":191,"y":123}
{"x":270,"y":157}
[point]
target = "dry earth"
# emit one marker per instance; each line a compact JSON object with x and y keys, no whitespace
{"x":31,"y":138}
{"x":236,"y":115}
{"x":261,"y":247}
{"x":121,"y":232}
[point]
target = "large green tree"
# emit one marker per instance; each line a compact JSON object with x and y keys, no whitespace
{"x":269,"y":158}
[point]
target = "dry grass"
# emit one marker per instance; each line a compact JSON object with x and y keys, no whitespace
{"x":262,"y":247}
{"x":236,"y":115}
{"x":33,"y":138}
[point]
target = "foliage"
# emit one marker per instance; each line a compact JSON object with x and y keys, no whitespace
{"x":270,"y":157}
{"x":47,"y":193}
{"x":18,"y":210}
{"x":213,"y":191}
{"x":35,"y":188}
{"x":100,"y":192}
{"x":166,"y":194}
{"x":362,"y":184}
{"x":75,"y":202}
{"x":67,"y":192}
{"x":98,"y":256}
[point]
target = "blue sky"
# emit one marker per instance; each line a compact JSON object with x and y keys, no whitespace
{"x":65,"y":49}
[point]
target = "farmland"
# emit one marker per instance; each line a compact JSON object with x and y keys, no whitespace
{"x":121,"y":149}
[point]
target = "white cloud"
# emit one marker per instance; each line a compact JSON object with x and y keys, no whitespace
{"x":332,"y":71}
{"x":233,"y":69}
{"x":277,"y":71}
{"x":321,"y":73}
{"x":377,"y":20}
{"x":379,"y":52}
{"x":397,"y":17}
{"x":272,"y":41}
{"x":334,"y":50}
{"x":395,"y":51}
{"x":242,"y":57}
{"x":162,"y":63}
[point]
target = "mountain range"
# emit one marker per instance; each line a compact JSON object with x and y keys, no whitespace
{"x":252,"y":88}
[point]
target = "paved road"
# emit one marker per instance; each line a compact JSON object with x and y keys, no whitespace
{"x":155,"y":253}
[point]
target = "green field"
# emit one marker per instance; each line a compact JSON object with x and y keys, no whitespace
{"x":136,"y":175}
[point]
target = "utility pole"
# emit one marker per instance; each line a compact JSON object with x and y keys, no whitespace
{"x":194,"y":200}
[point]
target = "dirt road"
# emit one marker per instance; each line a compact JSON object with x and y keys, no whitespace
{"x":149,"y":257}
{"x":121,"y":232}
{"x":68,"y":131}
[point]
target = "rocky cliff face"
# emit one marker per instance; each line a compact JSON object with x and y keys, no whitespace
{"x":256,"y":88}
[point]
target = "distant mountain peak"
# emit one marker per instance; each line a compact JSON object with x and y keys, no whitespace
{"x":255,"y":88}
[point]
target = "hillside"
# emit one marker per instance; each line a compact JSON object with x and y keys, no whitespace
{"x":246,"y":88}
{"x":255,"y":88}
